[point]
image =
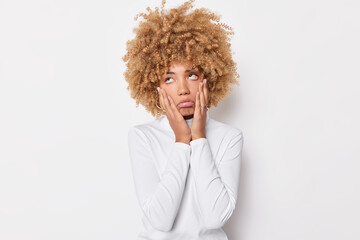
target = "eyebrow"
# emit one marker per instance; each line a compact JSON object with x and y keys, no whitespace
{"x":187,"y":70}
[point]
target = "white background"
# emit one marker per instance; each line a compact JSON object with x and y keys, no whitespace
{"x":65,"y":112}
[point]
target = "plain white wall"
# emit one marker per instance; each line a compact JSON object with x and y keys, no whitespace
{"x":65,"y":112}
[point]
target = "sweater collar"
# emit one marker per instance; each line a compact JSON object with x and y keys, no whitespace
{"x":165,"y":121}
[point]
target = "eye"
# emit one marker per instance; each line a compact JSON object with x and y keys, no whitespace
{"x":167,"y":79}
{"x":193,"y":76}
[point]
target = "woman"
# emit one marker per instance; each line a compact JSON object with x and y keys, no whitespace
{"x":185,"y":165}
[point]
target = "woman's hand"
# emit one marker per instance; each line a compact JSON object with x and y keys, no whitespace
{"x":199,"y":121}
{"x":177,"y":122}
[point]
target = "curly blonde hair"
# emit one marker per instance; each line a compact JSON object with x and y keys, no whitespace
{"x":176,"y":35}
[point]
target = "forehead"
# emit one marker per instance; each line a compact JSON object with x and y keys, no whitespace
{"x":181,"y":65}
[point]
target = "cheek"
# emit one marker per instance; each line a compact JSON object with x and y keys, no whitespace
{"x":170,"y":91}
{"x":195,"y":88}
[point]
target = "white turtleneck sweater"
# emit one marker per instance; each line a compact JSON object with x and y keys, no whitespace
{"x":186,"y":192}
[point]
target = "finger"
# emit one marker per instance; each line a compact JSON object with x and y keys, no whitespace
{"x":206,"y":92}
{"x":173,"y":106}
{"x":161,"y":98}
{"x":166,"y":103}
{"x":202,"y":98}
{"x":197,"y":104}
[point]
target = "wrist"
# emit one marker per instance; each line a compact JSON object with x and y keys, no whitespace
{"x":186,"y":141}
{"x":198,"y":136}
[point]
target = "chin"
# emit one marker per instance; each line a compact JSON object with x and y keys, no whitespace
{"x":187,"y":111}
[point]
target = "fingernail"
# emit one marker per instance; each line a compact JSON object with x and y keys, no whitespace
{"x":162,"y":90}
{"x":169,"y":97}
{"x":201,"y":84}
{"x":205,"y":80}
{"x":158,"y":89}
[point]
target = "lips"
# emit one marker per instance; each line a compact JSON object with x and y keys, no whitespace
{"x":186,"y":103}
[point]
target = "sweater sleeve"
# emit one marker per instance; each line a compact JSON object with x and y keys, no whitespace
{"x":159,"y":195}
{"x":216,"y":187}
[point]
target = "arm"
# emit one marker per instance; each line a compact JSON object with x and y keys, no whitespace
{"x":159,"y":196}
{"x":216,"y":187}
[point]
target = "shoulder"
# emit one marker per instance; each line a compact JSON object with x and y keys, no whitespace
{"x":144,"y":129}
{"x":224,"y":131}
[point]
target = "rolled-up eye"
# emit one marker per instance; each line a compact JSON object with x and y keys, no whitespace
{"x":193,"y":76}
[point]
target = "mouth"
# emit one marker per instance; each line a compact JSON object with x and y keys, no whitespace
{"x":186,"y":104}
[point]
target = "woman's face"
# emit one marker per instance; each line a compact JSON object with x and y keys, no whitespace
{"x":181,"y":82}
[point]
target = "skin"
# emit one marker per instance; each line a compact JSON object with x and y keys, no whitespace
{"x":179,"y":83}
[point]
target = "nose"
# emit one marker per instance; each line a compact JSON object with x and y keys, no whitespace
{"x":183,"y":87}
